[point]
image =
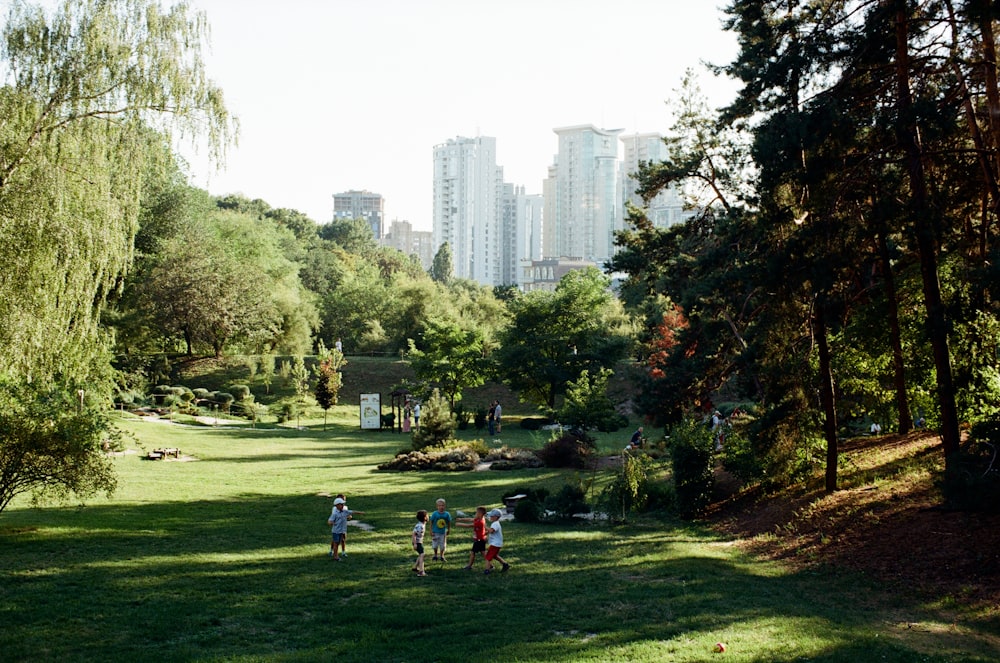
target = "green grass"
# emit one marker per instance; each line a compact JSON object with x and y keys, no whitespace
{"x":224,"y":559}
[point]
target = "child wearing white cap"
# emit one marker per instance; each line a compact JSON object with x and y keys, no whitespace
{"x":338,"y":520}
{"x":495,"y":543}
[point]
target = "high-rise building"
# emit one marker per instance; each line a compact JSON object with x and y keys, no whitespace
{"x":581,"y":195}
{"x":468,"y":187}
{"x":361,"y":205}
{"x":667,"y":207}
{"x":403,"y":237}
{"x":521,"y":231}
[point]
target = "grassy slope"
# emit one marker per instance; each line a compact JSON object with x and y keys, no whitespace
{"x":223,"y":558}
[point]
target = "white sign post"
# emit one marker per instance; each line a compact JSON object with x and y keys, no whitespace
{"x":371,"y":411}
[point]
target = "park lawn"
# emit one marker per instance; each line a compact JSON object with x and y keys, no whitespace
{"x":224,"y":558}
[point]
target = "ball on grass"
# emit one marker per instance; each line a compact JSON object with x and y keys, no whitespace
{"x":719,"y":647}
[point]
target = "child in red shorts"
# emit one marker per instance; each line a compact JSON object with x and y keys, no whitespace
{"x":495,"y":543}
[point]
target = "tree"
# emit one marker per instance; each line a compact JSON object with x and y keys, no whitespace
{"x":52,"y":442}
{"x":92,"y":98}
{"x":554,"y":336}
{"x":442,"y":269}
{"x":437,"y":423}
{"x":449,"y":357}
{"x":587,"y":404}
{"x":328,"y":378}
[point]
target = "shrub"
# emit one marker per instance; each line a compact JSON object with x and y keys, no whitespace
{"x":568,"y":450}
{"x":570,"y":500}
{"x":627,"y":492}
{"x":505,"y":458}
{"x":691,"y":445}
{"x":436,"y":423}
{"x":528,"y":511}
{"x":287,"y":410}
{"x":479,"y":420}
{"x":536,"y":495}
{"x":455,"y":459}
{"x":185,"y":394}
{"x":201,"y":393}
{"x":535,"y":423}
{"x":462,"y":416}
{"x":239,"y":391}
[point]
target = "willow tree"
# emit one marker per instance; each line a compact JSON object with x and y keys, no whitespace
{"x":93,"y":96}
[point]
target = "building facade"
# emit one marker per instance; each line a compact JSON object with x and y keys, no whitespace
{"x":581,"y":195}
{"x":667,"y":207}
{"x":521,"y":230}
{"x":468,"y":188}
{"x":403,"y":237}
{"x":361,"y":205}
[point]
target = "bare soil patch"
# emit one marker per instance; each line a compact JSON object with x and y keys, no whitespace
{"x":887,"y":521}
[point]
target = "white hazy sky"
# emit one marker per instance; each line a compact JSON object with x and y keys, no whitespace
{"x":335,"y":95}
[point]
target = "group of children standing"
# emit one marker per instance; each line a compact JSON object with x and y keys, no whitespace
{"x":486,"y":543}
{"x":487,"y":539}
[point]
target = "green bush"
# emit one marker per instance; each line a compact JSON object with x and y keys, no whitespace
{"x":535,"y":423}
{"x":570,"y":500}
{"x":201,"y":393}
{"x":627,"y":492}
{"x":287,"y":411}
{"x":568,"y":450}
{"x":479,"y":420}
{"x":437,"y":425}
{"x":455,"y":459}
{"x":240,"y":391}
{"x":527,"y":511}
{"x":506,"y":458}
{"x":691,"y":445}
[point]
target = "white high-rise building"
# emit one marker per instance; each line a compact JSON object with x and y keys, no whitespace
{"x":667,"y":207}
{"x":468,"y":187}
{"x":521,"y":226}
{"x":581,"y":195}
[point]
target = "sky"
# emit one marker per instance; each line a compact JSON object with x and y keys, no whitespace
{"x":338,"y":95}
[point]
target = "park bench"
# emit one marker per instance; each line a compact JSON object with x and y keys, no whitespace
{"x":160,"y":454}
{"x":511,"y":502}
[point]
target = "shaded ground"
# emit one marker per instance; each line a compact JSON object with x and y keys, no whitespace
{"x":886,"y":521}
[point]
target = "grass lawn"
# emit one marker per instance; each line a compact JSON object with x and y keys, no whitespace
{"x":224,"y":558}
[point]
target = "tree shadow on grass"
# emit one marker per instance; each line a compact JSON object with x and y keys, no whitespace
{"x":247,"y":578}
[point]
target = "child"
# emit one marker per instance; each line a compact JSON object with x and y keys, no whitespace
{"x":338,"y":519}
{"x":478,"y":525}
{"x":496,"y":543}
{"x":417,"y":539}
{"x":440,"y":528}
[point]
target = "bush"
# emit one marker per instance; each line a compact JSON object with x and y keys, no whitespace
{"x":528,"y":511}
{"x":437,"y":425}
{"x":479,"y":420}
{"x":505,"y":458}
{"x":568,"y":450}
{"x":627,"y":492}
{"x":535,"y":423}
{"x":455,"y":459}
{"x":201,"y":393}
{"x":287,"y":410}
{"x":691,"y":445}
{"x":973,"y":482}
{"x":240,"y":391}
{"x":570,"y":500}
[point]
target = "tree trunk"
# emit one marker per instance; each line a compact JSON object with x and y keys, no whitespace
{"x":926,"y":242}
{"x":895,"y":340}
{"x":826,"y":395}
